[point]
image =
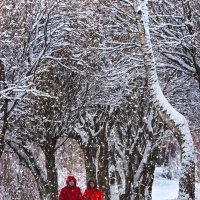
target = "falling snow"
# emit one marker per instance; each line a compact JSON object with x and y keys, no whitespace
{"x":101,"y":89}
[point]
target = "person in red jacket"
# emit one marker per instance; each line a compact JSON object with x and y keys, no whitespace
{"x":70,"y":191}
{"x":91,"y":192}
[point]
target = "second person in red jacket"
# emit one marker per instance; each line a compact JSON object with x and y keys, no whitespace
{"x":91,"y":192}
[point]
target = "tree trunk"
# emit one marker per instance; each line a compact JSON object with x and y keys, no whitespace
{"x":3,"y":109}
{"x":52,"y":177}
{"x":114,"y":176}
{"x":144,"y":189}
{"x":96,"y":163}
{"x":41,"y":188}
{"x":4,"y":126}
{"x":167,"y":112}
{"x":103,"y":165}
{"x":129,"y":162}
{"x":129,"y":179}
{"x":96,"y":150}
{"x":90,"y":151}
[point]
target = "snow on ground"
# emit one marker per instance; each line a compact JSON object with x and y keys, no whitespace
{"x":165,"y":189}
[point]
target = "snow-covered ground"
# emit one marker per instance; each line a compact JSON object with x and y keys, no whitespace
{"x":165,"y":189}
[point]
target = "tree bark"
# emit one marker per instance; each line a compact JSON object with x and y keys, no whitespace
{"x":4,"y":126}
{"x":3,"y":109}
{"x":96,"y":149}
{"x":103,"y":165}
{"x":90,"y":151}
{"x":52,"y":176}
{"x":169,"y":115}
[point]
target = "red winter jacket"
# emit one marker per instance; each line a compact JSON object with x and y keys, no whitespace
{"x":93,"y":194}
{"x":70,"y":192}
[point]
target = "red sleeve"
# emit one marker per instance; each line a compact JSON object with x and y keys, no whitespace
{"x":101,"y":195}
{"x":62,"y":195}
{"x":79,"y":194}
{"x":85,"y":194}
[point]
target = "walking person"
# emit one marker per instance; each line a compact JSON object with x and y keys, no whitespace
{"x":91,"y":192}
{"x":70,"y":191}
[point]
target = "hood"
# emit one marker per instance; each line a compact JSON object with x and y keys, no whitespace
{"x":69,"y":178}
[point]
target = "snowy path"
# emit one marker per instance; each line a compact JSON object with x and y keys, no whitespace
{"x":164,"y":189}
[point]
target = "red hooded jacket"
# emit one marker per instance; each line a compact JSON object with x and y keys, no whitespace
{"x":70,"y":192}
{"x":93,"y":194}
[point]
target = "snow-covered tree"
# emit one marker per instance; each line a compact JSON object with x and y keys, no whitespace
{"x":173,"y":118}
{"x":86,"y":70}
{"x":175,"y":35}
{"x":40,"y":84}
{"x":46,"y":119}
{"x":91,"y":131}
{"x":16,"y":181}
{"x":31,"y":33}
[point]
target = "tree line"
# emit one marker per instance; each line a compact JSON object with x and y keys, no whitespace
{"x":89,"y":71}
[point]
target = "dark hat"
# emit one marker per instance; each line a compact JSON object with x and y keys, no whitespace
{"x":92,"y":180}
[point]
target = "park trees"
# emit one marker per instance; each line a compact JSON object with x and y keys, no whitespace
{"x":167,"y":112}
{"x":90,"y":74}
{"x":37,"y":78}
